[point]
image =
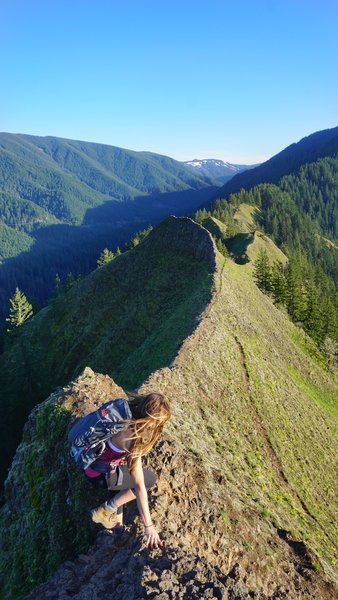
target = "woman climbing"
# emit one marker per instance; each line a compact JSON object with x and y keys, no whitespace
{"x":148,"y":415}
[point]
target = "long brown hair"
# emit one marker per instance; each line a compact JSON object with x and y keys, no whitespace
{"x":150,"y":413}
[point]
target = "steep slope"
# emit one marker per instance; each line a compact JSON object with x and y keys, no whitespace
{"x":261,"y":409}
{"x":300,"y":215}
{"x":245,"y":245}
{"x":314,"y":189}
{"x":125,"y":319}
{"x":247,"y":483}
{"x":12,"y":242}
{"x":66,"y":177}
{"x":75,"y":198}
{"x":246,"y":217}
{"x":307,"y":150}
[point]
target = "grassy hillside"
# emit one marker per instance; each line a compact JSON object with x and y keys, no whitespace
{"x":125,"y":319}
{"x":247,"y":481}
{"x":258,"y":406}
{"x":246,"y":217}
{"x":245,"y":245}
{"x":300,"y":215}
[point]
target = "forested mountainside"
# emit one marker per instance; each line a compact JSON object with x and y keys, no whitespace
{"x":66,"y":177}
{"x":300,"y":215}
{"x":308,"y":150}
{"x":62,"y":201}
{"x":247,"y":485}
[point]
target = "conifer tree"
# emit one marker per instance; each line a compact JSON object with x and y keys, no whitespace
{"x":262,"y":271}
{"x":329,"y":312}
{"x":313,"y":318}
{"x":221,"y":247}
{"x":58,"y":284}
{"x":21,"y":310}
{"x":330,"y":349}
{"x":232,"y":226}
{"x":278,"y":284}
{"x":295,"y":303}
{"x":200,"y":215}
{"x":105,"y":257}
{"x":71,"y":280}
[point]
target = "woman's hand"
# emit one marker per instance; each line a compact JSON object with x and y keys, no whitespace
{"x":153,"y":539}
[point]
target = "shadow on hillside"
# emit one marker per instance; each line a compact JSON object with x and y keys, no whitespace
{"x":151,"y":207}
{"x":238,"y":245}
{"x":60,"y":249}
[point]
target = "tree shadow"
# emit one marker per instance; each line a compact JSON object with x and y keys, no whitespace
{"x":238,"y":245}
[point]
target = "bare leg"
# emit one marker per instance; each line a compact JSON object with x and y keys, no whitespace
{"x":127,"y":495}
{"x":123,"y":497}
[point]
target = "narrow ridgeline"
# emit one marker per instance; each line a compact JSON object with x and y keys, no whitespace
{"x":125,"y":319}
{"x":246,"y":488}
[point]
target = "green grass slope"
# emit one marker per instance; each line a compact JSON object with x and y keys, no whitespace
{"x":245,"y":246}
{"x":254,"y":402}
{"x":216,"y":227}
{"x":125,"y":319}
{"x":246,"y":216}
{"x":263,"y":242}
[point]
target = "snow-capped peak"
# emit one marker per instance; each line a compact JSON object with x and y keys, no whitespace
{"x":216,"y":168}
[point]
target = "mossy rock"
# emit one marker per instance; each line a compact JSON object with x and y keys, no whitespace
{"x":46,"y":518}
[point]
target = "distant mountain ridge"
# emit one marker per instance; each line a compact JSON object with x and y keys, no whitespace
{"x":66,"y":177}
{"x":62,"y":201}
{"x":216,"y":168}
{"x":307,"y":150}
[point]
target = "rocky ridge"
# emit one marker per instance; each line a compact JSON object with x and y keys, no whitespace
{"x":245,"y":494}
{"x":201,"y":559}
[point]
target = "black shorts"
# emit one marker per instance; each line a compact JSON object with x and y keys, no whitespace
{"x":121,"y":479}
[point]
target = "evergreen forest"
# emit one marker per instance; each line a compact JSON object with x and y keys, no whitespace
{"x":300,"y":216}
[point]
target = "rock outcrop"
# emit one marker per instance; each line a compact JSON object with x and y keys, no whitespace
{"x":202,"y":525}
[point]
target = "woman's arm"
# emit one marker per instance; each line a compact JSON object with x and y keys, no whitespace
{"x":153,"y":539}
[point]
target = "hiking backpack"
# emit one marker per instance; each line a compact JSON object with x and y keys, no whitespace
{"x":88,"y":436}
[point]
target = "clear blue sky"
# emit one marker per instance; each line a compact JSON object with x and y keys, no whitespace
{"x":237,"y":80}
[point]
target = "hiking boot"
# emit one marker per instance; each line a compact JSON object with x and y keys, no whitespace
{"x":107,"y":518}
